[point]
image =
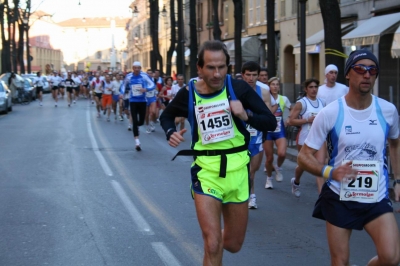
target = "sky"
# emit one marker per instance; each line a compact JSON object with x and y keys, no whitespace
{"x":66,"y":9}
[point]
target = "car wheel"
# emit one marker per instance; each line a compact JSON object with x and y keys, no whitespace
{"x":5,"y":110}
{"x":10,"y":108}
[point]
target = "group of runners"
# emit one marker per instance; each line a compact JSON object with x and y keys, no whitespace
{"x":342,"y":141}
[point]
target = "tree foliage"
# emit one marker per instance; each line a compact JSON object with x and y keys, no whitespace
{"x":12,"y":22}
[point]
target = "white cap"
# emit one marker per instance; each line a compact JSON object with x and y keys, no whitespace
{"x":329,"y":68}
{"x":137,"y":63}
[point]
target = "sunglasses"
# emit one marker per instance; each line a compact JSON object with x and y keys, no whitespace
{"x":361,"y":69}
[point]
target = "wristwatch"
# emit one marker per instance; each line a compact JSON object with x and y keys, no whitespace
{"x":396,"y":181}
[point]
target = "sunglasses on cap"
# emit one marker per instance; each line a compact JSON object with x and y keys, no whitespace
{"x":361,"y":69}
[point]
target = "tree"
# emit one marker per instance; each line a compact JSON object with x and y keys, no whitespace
{"x":216,"y":29}
{"x":180,"y":49}
{"x":271,"y":38}
{"x":237,"y":14}
{"x":172,"y":45}
{"x":26,"y":15}
{"x":331,"y":17}
{"x":156,"y":58}
{"x":193,"y":39}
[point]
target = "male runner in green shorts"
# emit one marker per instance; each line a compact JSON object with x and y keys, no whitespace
{"x":218,"y":108}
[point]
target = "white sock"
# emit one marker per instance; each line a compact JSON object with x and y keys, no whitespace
{"x":269,"y":177}
{"x":137,"y":142}
{"x":252,"y":195}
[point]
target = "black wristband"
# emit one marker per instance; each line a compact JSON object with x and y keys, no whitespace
{"x":170,"y":132}
{"x":396,"y":181}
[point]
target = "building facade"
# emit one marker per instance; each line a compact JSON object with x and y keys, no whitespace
{"x":93,"y":44}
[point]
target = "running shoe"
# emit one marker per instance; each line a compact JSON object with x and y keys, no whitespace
{"x":295,"y":188}
{"x":55,"y":105}
{"x":278,"y":175}
{"x":104,"y":112}
{"x":69,"y":105}
{"x":108,"y":119}
{"x":152,"y":127}
{"x":148,"y":130}
{"x":129,"y":128}
{"x":138,"y":148}
{"x":74,"y":102}
{"x":92,"y":102}
{"x":40,"y":104}
{"x":121,"y":118}
{"x":268,"y":184}
{"x":252,"y":202}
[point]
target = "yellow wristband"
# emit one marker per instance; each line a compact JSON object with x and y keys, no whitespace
{"x":327,"y":171}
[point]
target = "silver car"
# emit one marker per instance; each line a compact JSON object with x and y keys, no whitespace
{"x":5,"y":98}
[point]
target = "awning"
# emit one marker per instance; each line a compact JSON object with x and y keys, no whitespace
{"x":371,"y":30}
{"x":396,"y":44}
{"x":250,"y":49}
{"x":313,"y":43}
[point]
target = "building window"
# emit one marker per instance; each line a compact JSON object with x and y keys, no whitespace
{"x":265,"y":13}
{"x":294,"y":7}
{"x":200,"y":16}
{"x":258,"y":11}
{"x":251,"y":12}
{"x":283,"y":7}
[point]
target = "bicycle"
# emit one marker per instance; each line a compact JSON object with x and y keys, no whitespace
{"x":23,"y":96}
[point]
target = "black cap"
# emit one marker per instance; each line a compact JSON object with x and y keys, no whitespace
{"x":358,"y":55}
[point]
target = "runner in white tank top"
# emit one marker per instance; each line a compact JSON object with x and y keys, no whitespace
{"x":357,"y":128}
{"x":302,"y":116}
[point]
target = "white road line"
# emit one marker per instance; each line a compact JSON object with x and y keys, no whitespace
{"x":95,"y":147}
{"x":133,"y":211}
{"x":166,"y":256}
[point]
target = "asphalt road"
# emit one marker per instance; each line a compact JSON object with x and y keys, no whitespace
{"x":73,"y":191}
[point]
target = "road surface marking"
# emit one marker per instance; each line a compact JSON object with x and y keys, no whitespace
{"x":95,"y":147}
{"x":133,"y":211}
{"x":166,"y":256}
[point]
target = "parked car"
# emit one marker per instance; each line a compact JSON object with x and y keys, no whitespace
{"x":5,"y":98}
{"x":46,"y":84}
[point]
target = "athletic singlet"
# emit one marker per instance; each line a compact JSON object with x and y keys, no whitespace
{"x":255,"y":135}
{"x":69,"y":83}
{"x":97,"y":84}
{"x":279,"y":114}
{"x":206,"y":122}
{"x":107,"y":86}
{"x":360,"y":140}
{"x":311,"y":108}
